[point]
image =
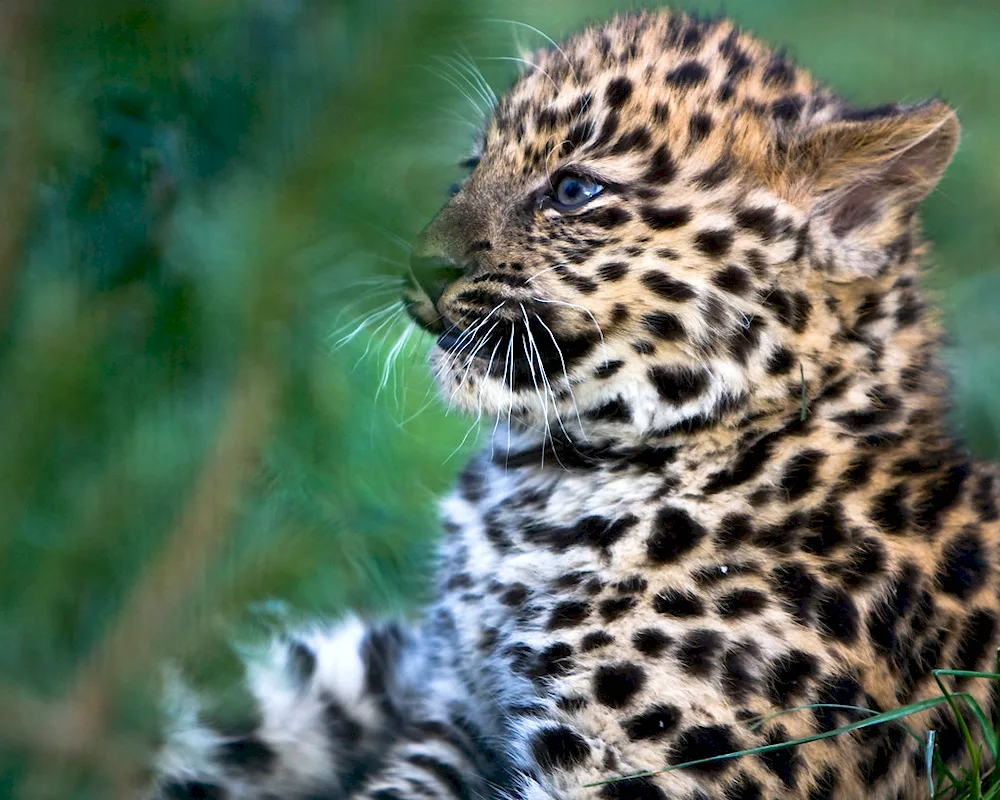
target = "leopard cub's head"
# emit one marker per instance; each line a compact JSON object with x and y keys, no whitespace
{"x":666,"y":224}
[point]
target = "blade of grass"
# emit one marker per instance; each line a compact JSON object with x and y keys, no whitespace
{"x":989,"y":734}
{"x":760,"y":721}
{"x":970,"y":744}
{"x":878,"y":719}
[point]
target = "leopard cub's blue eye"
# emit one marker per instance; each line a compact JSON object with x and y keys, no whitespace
{"x":574,"y":191}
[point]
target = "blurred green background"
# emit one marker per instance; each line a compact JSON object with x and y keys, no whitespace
{"x":202,"y":199}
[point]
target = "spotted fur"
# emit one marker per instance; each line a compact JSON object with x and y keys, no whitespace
{"x":720,"y":483}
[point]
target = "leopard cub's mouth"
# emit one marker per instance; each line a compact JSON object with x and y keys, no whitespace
{"x":422,"y":309}
{"x":429,"y":277}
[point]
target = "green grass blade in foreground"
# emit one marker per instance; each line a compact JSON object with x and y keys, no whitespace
{"x":974,"y":780}
{"x":878,"y":719}
{"x":761,"y":721}
{"x":989,"y":733}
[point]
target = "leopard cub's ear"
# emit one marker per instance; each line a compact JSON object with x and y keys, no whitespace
{"x":864,"y":174}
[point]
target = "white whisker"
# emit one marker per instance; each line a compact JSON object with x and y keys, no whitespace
{"x":393,"y":353}
{"x":547,"y":38}
{"x":527,"y":64}
{"x":550,"y":269}
{"x":390,"y":310}
{"x":387,"y":322}
{"x":510,"y":408}
{"x":480,"y":113}
{"x":585,"y":311}
{"x":569,"y":385}
{"x":541,"y":371}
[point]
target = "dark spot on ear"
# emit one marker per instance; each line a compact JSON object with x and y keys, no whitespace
{"x":301,"y":663}
{"x":739,"y":61}
{"x":868,"y":114}
{"x":692,"y":38}
{"x":779,"y":73}
{"x":788,"y":108}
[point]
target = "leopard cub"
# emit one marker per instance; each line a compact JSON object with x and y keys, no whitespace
{"x":681,"y":283}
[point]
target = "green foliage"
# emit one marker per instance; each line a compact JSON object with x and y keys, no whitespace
{"x":200,"y":200}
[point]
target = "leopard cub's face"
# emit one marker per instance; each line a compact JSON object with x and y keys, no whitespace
{"x":664,"y":223}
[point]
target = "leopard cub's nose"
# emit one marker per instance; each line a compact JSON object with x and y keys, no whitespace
{"x":433,"y":274}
